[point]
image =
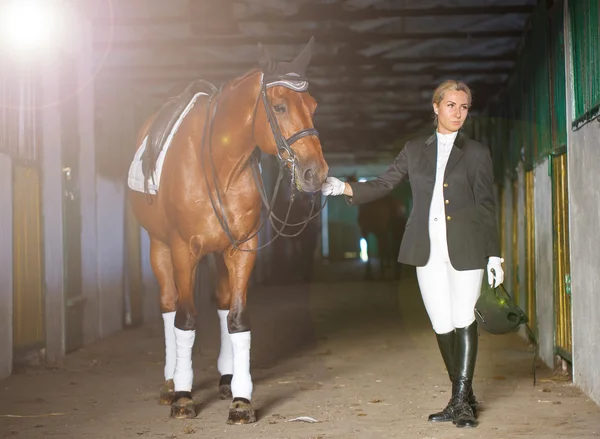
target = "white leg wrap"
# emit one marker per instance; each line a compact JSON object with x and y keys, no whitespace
{"x":170,"y":350}
{"x":225,"y":360}
{"x":184,"y":374}
{"x":241,"y":385}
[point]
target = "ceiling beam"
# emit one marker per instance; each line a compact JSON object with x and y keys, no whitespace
{"x":362,"y":38}
{"x":219,"y":76}
{"x":335,"y":12}
{"x":312,"y":12}
{"x":335,"y":61}
{"x":352,"y":87}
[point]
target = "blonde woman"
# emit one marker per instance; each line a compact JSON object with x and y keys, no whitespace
{"x":451,"y":235}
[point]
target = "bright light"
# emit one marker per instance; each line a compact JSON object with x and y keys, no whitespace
{"x":29,"y":24}
{"x":364,"y":256}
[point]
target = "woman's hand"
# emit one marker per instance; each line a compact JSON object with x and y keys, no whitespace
{"x":333,"y":186}
{"x":497,"y":277}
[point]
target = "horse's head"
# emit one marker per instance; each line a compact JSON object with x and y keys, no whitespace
{"x":283,"y":124}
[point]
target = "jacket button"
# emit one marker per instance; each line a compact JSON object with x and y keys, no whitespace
{"x":448,"y":217}
{"x":447,"y":202}
{"x":445,"y":184}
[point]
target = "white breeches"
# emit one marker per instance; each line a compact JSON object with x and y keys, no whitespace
{"x":449,"y":295}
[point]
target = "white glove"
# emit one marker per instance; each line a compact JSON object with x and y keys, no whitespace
{"x":495,"y":263}
{"x":333,"y":186}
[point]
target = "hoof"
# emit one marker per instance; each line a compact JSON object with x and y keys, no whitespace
{"x":241,"y":412}
{"x":225,"y":386}
{"x":167,"y":393}
{"x":183,"y":406}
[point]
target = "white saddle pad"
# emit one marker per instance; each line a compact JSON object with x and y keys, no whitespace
{"x":135,"y":178}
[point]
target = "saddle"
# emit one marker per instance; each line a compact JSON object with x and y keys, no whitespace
{"x":163,"y":123}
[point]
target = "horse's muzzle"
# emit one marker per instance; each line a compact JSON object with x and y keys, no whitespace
{"x":312,"y":177}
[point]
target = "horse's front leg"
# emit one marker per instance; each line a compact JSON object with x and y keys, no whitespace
{"x":184,"y":264}
{"x":239,"y":265}
{"x":225,"y":360}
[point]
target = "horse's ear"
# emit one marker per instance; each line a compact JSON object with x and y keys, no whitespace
{"x":264,"y":57}
{"x":303,"y":59}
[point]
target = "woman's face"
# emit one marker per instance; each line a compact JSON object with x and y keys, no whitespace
{"x":452,"y":111}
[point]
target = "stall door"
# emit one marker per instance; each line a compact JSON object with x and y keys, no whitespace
{"x":19,"y":134}
{"x":28,"y":296}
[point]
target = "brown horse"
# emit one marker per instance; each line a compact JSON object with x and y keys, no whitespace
{"x":385,"y":218}
{"x":208,"y":202}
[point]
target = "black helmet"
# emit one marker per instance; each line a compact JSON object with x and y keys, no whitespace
{"x":496,"y":312}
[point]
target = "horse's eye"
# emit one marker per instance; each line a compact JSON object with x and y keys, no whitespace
{"x":279,"y":108}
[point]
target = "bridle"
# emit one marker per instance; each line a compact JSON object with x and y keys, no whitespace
{"x":284,"y":147}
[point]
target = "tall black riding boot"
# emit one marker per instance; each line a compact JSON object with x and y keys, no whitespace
{"x":446,"y":344}
{"x":465,"y":353}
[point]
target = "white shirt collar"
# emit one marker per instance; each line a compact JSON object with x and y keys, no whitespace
{"x":446,"y":139}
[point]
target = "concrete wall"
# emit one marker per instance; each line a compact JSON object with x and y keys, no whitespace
{"x":544,"y":262}
{"x":87,"y":185}
{"x":113,"y":138}
{"x":6,"y":267}
{"x":110,"y":208}
{"x":583,"y":161}
{"x":52,"y":197}
{"x":115,"y":148}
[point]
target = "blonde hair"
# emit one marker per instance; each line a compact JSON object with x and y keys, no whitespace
{"x":449,"y":85}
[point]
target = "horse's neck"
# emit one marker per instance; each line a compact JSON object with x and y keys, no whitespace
{"x":229,"y":141}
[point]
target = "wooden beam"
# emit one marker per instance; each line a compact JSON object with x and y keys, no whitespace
{"x":312,"y":12}
{"x":349,"y":37}
{"x":348,"y":60}
{"x":220,"y":76}
{"x":335,"y":12}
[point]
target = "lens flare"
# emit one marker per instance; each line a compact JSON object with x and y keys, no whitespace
{"x":29,"y":24}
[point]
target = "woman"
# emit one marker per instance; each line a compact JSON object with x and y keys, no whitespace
{"x":451,"y":235}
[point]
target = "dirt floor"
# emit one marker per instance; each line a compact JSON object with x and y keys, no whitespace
{"x":359,"y":357}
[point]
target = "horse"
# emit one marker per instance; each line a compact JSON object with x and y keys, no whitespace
{"x":385,"y":218}
{"x":207,"y":200}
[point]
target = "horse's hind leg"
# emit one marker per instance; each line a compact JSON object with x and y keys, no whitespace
{"x":225,"y":360}
{"x":160,"y":258}
{"x":184,"y":264}
{"x":239,"y":265}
